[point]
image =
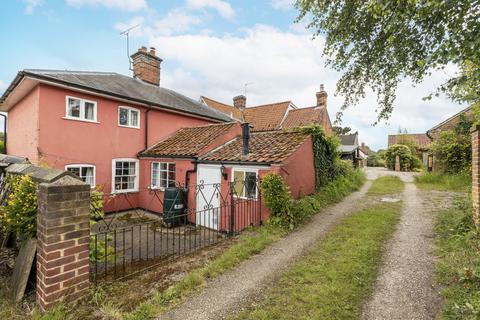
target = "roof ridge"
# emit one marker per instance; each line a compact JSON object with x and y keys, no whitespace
{"x":72,"y":71}
{"x":269,"y":104}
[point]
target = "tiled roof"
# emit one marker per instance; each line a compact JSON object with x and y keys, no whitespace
{"x":188,"y":142}
{"x":420,"y":139}
{"x":231,"y":111}
{"x":267,"y":117}
{"x":120,"y":86}
{"x":304,"y":117}
{"x":265,"y":147}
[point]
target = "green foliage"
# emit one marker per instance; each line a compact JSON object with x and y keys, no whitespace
{"x":289,"y":213}
{"x":325,"y":153}
{"x":458,"y":262}
{"x":408,"y":161}
{"x":442,"y":181}
{"x":341,"y":130}
{"x":386,"y":185}
{"x":19,"y":215}
{"x":390,"y":40}
{"x":333,"y":281}
{"x":374,"y":160}
{"x":453,"y":152}
{"x":99,"y":248}
{"x":276,"y":195}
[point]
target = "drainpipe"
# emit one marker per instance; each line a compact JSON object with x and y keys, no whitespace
{"x":146,"y":128}
{"x":187,"y":180}
{"x":4,"y":133}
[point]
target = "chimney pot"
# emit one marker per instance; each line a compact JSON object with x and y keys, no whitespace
{"x":240,"y":102}
{"x":146,"y":65}
{"x":322,"y":97}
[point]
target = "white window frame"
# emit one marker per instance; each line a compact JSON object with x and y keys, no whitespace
{"x":130,"y":109}
{"x":82,"y":110}
{"x":151,"y":174}
{"x":137,"y":175}
{"x":84,"y":165}
{"x":244,"y":170}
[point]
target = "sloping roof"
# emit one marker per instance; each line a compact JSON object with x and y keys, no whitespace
{"x":420,"y":139}
{"x":264,"y":117}
{"x":450,"y":122}
{"x":120,"y":86}
{"x":222,"y":107}
{"x":188,"y":142}
{"x":268,"y":116}
{"x":304,"y":117}
{"x":348,"y":142}
{"x":264,"y":147}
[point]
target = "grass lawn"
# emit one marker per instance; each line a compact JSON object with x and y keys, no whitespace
{"x":444,"y":182}
{"x":333,"y":281}
{"x":458,"y":264}
{"x":386,"y":185}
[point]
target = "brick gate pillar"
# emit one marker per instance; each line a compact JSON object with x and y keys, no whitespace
{"x":476,"y":174}
{"x":63,"y":235}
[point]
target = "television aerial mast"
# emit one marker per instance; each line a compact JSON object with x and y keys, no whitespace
{"x":126,"y":33}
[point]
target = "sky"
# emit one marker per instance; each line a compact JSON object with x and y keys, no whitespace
{"x":216,"y":48}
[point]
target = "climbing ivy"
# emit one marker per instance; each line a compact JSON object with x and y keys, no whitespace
{"x":325,"y":153}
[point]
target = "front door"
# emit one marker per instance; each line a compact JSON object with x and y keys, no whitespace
{"x":208,"y":196}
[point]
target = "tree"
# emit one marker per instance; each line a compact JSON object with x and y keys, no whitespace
{"x":378,"y":42}
{"x":341,"y":130}
{"x":408,"y":160}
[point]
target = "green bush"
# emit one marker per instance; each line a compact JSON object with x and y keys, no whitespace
{"x":19,"y":215}
{"x":277,"y":197}
{"x":374,"y":160}
{"x":408,"y":160}
{"x":453,"y":152}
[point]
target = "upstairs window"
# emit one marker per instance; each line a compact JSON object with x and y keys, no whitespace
{"x":163,"y":175}
{"x":81,"y":109}
{"x":128,"y":117}
{"x":86,"y":172}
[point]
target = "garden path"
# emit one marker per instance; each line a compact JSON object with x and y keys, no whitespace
{"x":240,"y":287}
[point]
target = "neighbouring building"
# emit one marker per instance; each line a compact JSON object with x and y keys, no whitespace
{"x":450,"y":123}
{"x":420,"y":140}
{"x":276,"y":116}
{"x":95,"y":123}
{"x":350,"y":149}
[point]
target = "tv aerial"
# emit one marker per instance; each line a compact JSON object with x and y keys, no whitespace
{"x":126,"y":33}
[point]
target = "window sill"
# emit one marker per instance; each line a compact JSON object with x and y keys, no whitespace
{"x":125,"y":191}
{"x":129,"y":127}
{"x":81,"y":120}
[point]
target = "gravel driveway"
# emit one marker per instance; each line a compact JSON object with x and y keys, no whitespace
{"x":227,"y":293}
{"x":404,"y":288}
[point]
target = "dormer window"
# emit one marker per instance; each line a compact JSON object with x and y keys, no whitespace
{"x":81,"y":109}
{"x":128,"y":117}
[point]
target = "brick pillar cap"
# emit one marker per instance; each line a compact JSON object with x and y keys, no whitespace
{"x":475,"y":127}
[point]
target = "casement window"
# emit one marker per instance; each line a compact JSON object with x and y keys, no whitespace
{"x":128,"y":117}
{"x":86,"y":172}
{"x":163,"y":175}
{"x":125,"y":174}
{"x":245,"y":183}
{"x":81,"y":109}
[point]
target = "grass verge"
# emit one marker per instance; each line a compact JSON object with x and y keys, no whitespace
{"x":332,"y":281}
{"x":458,"y":263}
{"x":443,"y":182}
{"x":386,"y":185}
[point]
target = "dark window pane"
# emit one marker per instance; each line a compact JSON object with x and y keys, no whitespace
{"x":123,"y":117}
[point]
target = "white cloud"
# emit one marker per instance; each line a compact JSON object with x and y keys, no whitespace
{"x":176,"y":20}
{"x":3,"y":86}
{"x":282,"y":4}
{"x":127,"y":5}
{"x":222,"y":7}
{"x":31,"y":5}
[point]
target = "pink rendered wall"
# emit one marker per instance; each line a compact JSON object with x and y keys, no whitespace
{"x":22,"y":127}
{"x":63,"y":141}
{"x":299,"y":172}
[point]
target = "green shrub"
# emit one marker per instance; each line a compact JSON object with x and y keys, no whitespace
{"x":277,"y":197}
{"x":453,"y":152}
{"x":408,"y":160}
{"x":19,"y":215}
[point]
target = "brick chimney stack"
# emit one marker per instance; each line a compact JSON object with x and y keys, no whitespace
{"x":322,"y":97}
{"x":240,"y":102}
{"x":146,"y":65}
